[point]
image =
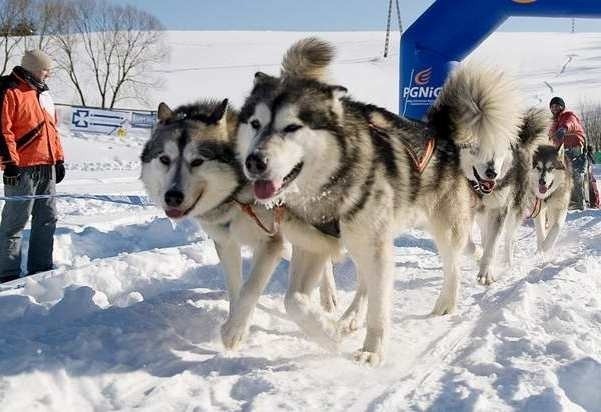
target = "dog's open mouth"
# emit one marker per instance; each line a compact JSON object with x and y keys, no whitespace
{"x":266,"y":189}
{"x":486,"y":186}
{"x":542,"y":188}
{"x":177,"y":213}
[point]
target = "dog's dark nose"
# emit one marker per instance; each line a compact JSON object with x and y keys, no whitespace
{"x":256,"y":163}
{"x":542,"y":182}
{"x":490,"y":173}
{"x":174,"y":198}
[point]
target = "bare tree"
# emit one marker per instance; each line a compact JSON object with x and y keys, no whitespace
{"x":15,"y":25}
{"x":66,"y":42}
{"x":48,"y":18}
{"x":140,"y":46}
{"x":112,"y":46}
{"x":591,"y":120}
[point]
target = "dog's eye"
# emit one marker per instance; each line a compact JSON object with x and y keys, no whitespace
{"x":196,"y":162}
{"x":206,"y":154}
{"x":255,"y":124}
{"x":164,"y":159}
{"x":291,"y":128}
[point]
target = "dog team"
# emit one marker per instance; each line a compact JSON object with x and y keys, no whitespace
{"x":304,"y":163}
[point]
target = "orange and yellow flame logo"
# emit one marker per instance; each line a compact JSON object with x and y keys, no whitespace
{"x":423,"y":77}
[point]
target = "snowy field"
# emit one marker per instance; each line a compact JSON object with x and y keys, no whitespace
{"x":130,"y":318}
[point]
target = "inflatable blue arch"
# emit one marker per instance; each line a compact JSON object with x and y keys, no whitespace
{"x":450,"y":29}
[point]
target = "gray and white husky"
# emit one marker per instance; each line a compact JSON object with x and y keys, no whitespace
{"x":331,"y":158}
{"x":501,"y":182}
{"x":190,"y":168}
{"x":551,"y":182}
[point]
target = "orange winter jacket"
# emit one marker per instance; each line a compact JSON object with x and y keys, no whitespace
{"x":28,"y":132}
{"x":575,"y":136}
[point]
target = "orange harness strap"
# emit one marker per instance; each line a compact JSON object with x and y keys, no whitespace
{"x":419,"y":163}
{"x":535,"y":209}
{"x":427,"y":155}
{"x":279,"y":215}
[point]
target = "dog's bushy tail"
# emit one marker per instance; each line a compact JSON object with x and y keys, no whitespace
{"x":478,"y":106}
{"x":534,"y":129}
{"x":308,"y":59}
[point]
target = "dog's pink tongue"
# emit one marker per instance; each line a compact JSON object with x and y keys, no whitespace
{"x":174,"y":213}
{"x":542,"y":188}
{"x":264,"y":189}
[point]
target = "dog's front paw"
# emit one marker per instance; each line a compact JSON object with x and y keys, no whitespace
{"x":444,"y":305}
{"x":348,"y":325}
{"x":486,"y":277}
{"x":350,"y":322}
{"x":364,"y":357}
{"x":233,"y":333}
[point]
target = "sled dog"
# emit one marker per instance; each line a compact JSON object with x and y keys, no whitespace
{"x":308,"y":59}
{"x":330,"y":158}
{"x":189,"y":168}
{"x":502,"y":188}
{"x":551,"y":182}
{"x":549,"y":185}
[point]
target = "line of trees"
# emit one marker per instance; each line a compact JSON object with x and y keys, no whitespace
{"x":106,"y":52}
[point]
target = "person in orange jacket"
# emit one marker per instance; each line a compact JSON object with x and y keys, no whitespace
{"x":32,"y":158}
{"x":567,"y":130}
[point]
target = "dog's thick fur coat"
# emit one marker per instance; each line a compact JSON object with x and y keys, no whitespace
{"x":190,"y":168}
{"x":331,"y":158}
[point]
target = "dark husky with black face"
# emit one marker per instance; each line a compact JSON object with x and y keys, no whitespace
{"x":329,"y":157}
{"x":550,"y":171}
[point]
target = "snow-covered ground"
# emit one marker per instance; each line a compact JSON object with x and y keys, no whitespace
{"x":130,"y":318}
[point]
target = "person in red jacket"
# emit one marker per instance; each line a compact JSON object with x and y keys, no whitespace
{"x":32,"y":158}
{"x":567,"y":130}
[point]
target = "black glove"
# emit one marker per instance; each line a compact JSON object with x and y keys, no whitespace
{"x":560,"y":134}
{"x":11,"y":174}
{"x":59,"y":167}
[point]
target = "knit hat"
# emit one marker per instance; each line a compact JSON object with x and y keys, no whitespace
{"x":557,"y":100}
{"x":35,"y":61}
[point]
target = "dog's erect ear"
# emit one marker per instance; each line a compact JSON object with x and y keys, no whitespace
{"x":338,"y":92}
{"x":261,"y":77}
{"x":218,"y":114}
{"x":164,"y":113}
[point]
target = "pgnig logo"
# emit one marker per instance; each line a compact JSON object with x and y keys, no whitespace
{"x":422,"y":91}
{"x":422,"y":77}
